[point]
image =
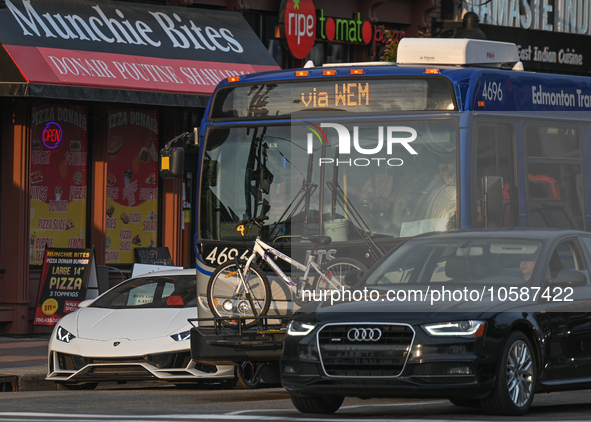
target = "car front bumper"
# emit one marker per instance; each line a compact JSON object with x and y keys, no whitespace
{"x":91,"y":360}
{"x":426,"y":367}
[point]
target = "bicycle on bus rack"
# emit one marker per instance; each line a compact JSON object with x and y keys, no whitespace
{"x":241,"y":288}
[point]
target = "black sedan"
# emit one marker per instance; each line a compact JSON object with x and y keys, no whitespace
{"x":483,"y":318}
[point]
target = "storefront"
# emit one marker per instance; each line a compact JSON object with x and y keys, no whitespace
{"x":552,"y":36}
{"x":346,"y":31}
{"x":89,"y":93}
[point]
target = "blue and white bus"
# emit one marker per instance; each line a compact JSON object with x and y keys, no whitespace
{"x":453,"y":136}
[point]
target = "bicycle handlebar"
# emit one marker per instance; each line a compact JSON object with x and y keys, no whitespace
{"x":256,"y":220}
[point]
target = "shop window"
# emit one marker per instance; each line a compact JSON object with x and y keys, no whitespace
{"x":554,"y":177}
{"x":59,"y":166}
{"x":132,"y":183}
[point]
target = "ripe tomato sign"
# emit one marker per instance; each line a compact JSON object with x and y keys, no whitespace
{"x":299,"y":23}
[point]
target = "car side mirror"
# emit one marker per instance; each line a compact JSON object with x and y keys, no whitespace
{"x":568,"y":278}
{"x":85,"y":303}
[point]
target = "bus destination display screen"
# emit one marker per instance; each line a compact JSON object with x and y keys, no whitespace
{"x":270,"y":100}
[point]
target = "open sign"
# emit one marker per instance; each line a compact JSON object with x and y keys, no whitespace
{"x":52,"y":135}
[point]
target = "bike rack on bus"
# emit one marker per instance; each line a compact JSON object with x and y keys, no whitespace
{"x":224,"y":345}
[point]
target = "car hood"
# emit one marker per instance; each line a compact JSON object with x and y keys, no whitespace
{"x":132,"y":324}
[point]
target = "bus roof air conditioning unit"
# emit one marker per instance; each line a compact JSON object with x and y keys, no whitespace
{"x":457,"y":52}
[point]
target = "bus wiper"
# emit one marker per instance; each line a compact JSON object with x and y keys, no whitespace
{"x":359,"y":223}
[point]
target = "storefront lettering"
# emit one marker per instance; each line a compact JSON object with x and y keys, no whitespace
{"x":75,"y":66}
{"x":117,"y":119}
{"x":64,"y":115}
{"x":150,"y":226}
{"x":112,"y":256}
{"x":59,"y":224}
{"x":52,"y":135}
{"x":125,"y":234}
{"x":183,"y":33}
{"x":41,"y":242}
{"x":148,"y":193}
{"x":111,"y":223}
{"x":129,"y":193}
{"x":38,"y":193}
{"x":144,"y":120}
{"x":77,"y":193}
{"x":135,"y":217}
{"x":568,"y":17}
{"x":112,"y":193}
{"x":40,"y":157}
{"x":146,"y":72}
{"x":347,"y":30}
{"x":299,"y":22}
{"x":58,"y":206}
{"x":76,"y":242}
{"x":76,"y":158}
{"x":68,"y":115}
{"x":44,"y":224}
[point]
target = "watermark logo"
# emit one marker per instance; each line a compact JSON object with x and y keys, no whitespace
{"x":388,"y":136}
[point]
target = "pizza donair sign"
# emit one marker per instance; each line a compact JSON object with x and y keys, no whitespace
{"x":59,"y":154}
{"x":132,"y":183}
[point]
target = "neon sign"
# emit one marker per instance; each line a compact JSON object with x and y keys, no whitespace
{"x":52,"y":135}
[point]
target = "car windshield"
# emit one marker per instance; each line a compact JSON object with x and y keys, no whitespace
{"x":309,"y":188}
{"x":151,"y":292}
{"x":473,"y":261}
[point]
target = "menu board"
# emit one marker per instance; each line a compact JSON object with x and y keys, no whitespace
{"x":59,"y":154}
{"x":65,"y":279}
{"x":132,"y":183}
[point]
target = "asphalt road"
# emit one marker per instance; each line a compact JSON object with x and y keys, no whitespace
{"x":168,"y":403}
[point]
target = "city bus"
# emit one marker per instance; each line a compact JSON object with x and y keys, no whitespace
{"x":455,"y":135}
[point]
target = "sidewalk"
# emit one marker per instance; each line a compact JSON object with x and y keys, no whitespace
{"x":23,"y":363}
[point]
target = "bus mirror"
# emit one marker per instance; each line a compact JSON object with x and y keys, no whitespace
{"x":492,"y":186}
{"x":172,"y":162}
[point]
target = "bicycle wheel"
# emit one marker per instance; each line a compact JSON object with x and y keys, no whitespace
{"x":333,"y":274}
{"x":228,"y":298}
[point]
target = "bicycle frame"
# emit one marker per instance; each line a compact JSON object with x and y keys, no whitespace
{"x":263,"y":250}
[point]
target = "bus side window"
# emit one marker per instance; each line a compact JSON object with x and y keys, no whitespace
{"x":554,"y":176}
{"x":494,"y":157}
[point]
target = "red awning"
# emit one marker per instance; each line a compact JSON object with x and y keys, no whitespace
{"x":128,"y":52}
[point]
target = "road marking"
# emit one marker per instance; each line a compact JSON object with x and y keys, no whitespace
{"x":238,"y":412}
{"x":39,"y":417}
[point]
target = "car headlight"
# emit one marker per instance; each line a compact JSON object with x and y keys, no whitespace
{"x":299,"y":328}
{"x":64,"y":335}
{"x":458,"y":328}
{"x":185,"y":335}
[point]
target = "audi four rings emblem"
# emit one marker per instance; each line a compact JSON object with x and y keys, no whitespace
{"x":364,"y":334}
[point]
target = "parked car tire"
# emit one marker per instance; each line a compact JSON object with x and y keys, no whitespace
{"x":323,"y":405}
{"x":513,"y":392}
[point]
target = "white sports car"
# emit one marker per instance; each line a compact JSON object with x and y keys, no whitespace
{"x":138,"y":330}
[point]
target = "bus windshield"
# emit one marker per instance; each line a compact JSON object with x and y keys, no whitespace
{"x":307,"y":188}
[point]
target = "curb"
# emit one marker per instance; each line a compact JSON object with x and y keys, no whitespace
{"x":26,"y":382}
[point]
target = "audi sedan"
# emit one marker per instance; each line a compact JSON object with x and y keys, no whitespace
{"x":485,"y":319}
{"x":138,"y":330}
